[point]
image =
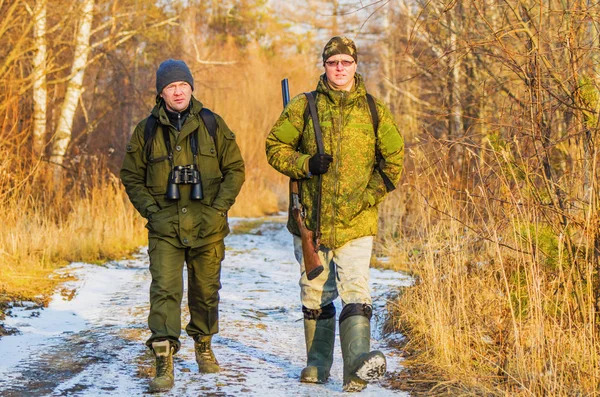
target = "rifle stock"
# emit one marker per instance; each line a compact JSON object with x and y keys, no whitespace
{"x":312,"y":262}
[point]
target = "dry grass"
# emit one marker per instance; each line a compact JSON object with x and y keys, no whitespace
{"x":503,"y":302}
{"x":48,"y":228}
{"x":499,"y":307}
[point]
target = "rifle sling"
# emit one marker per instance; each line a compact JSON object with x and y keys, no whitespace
{"x":321,"y":150}
{"x":312,"y":107}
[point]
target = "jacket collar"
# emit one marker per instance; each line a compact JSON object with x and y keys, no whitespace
{"x":160,"y":111}
{"x":191,"y":123}
{"x":336,"y":97}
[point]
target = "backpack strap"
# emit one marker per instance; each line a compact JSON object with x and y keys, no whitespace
{"x":379,"y":161}
{"x":374,"y":114}
{"x":167,"y":139}
{"x":210,"y":121}
{"x":149,"y":132}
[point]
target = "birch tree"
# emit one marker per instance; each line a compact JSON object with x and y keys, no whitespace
{"x":63,"y":133}
{"x":39,"y":77}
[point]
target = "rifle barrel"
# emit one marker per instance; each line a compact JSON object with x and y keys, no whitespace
{"x":285,"y":92}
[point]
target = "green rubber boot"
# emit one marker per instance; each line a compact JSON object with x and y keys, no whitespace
{"x":320,"y":339}
{"x":361,"y":365}
{"x":165,"y":378}
{"x":207,"y":362}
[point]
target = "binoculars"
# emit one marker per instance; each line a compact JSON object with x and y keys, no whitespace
{"x":184,"y":175}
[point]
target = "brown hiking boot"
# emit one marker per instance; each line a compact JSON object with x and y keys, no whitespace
{"x":164,"y":378}
{"x":207,"y":363}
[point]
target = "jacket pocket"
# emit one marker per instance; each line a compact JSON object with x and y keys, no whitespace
{"x":208,"y":162}
{"x":212,"y":222}
{"x":351,"y":207}
{"x":157,"y":175}
{"x":163,"y":222}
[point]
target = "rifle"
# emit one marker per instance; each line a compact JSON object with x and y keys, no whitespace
{"x":310,"y":249}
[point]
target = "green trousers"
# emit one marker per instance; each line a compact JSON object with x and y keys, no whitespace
{"x":166,"y":289}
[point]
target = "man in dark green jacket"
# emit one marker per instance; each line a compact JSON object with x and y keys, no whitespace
{"x":351,"y":191}
{"x":183,"y":181}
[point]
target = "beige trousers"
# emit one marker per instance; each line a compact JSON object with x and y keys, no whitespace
{"x":345,"y":274}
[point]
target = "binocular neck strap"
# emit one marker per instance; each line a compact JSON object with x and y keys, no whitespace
{"x":167,"y":138}
{"x":193,"y":144}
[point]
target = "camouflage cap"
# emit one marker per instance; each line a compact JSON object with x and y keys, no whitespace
{"x":340,"y":45}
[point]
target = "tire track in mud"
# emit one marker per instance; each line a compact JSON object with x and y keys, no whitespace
{"x":93,"y":344}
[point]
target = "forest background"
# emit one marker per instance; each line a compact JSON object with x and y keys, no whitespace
{"x":497,"y":214}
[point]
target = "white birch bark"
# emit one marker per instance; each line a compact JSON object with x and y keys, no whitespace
{"x":39,"y":78}
{"x":62,"y":137}
{"x":455,"y":122}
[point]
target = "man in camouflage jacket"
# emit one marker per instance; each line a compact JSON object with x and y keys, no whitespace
{"x":187,"y":229}
{"x":352,"y":189}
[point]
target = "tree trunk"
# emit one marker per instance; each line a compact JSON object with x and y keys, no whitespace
{"x":39,"y":78}
{"x":455,"y":116}
{"x":63,"y":134}
{"x":455,"y":131}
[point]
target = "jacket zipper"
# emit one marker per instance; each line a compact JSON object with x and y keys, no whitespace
{"x":336,"y":169}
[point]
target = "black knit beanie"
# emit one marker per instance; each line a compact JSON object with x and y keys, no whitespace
{"x":170,"y":71}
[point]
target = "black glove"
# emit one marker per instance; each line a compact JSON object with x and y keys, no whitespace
{"x":319,"y":163}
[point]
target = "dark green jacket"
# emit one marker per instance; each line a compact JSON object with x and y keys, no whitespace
{"x":352,"y":188}
{"x":185,"y":222}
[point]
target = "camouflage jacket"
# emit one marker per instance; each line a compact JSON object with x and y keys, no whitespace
{"x":352,"y":188}
{"x":184,"y":222}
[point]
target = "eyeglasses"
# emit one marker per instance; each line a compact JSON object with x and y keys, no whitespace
{"x":333,"y":64}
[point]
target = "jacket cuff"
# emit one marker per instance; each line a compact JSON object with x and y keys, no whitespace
{"x":302,"y":163}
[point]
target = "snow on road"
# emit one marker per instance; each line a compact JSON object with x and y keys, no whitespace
{"x":89,"y":341}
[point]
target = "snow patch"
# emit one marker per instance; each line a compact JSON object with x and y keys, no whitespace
{"x":93,"y":343}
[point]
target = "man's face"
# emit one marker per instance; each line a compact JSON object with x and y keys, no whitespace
{"x":340,"y":77}
{"x":177,"y":96}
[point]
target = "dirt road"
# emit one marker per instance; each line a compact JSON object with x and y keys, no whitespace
{"x":90,"y":340}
